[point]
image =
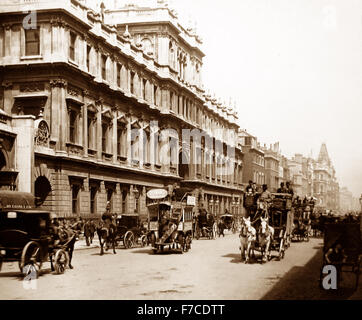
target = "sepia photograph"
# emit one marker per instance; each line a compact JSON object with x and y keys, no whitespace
{"x":180,"y":150}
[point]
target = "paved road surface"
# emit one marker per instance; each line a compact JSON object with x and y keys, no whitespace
{"x":211,"y":270}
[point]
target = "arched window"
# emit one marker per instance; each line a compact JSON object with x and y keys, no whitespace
{"x":42,"y":190}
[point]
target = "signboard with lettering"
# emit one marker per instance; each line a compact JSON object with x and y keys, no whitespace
{"x":191,"y":201}
{"x":157,"y":194}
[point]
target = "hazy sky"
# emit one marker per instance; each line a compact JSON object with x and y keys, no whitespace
{"x":295,"y":69}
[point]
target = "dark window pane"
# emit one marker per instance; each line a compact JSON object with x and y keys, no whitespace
{"x":32,"y":42}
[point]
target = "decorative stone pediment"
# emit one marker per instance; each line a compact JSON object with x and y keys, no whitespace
{"x":107,"y":114}
{"x":136,"y":124}
{"x":92,"y":108}
{"x":122,"y":120}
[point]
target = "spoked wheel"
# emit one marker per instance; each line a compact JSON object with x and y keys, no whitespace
{"x":143,"y":241}
{"x":31,"y":255}
{"x":128,"y":240}
{"x":60,"y":261}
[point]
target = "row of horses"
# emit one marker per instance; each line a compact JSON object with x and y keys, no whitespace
{"x":258,"y":238}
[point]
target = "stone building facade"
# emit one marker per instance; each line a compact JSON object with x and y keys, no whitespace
{"x":272,"y":164}
{"x":326,"y":187}
{"x":94,"y":111}
{"x":254,"y":161}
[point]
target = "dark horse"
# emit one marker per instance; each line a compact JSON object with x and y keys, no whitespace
{"x":89,"y":231}
{"x":107,"y":236}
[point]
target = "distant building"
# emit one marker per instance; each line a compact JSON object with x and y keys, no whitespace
{"x":326,"y":188}
{"x":272,"y":172}
{"x":254,"y":161}
{"x":345,"y":200}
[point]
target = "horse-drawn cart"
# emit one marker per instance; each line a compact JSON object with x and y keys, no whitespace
{"x":342,"y":249}
{"x":280,"y":218}
{"x":130,"y":231}
{"x":206,"y":226}
{"x":26,"y":235}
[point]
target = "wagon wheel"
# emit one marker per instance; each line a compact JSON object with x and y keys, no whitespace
{"x":31,"y":255}
{"x":143,"y":241}
{"x":128,"y":239}
{"x":214,"y":230}
{"x":60,"y":261}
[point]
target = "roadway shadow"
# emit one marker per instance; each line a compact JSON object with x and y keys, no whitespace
{"x":236,"y":258}
{"x":17,"y":275}
{"x":303,"y":283}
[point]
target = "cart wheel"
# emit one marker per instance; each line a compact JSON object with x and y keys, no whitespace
{"x":31,"y":255}
{"x":143,"y":241}
{"x":128,"y":239}
{"x":60,"y":261}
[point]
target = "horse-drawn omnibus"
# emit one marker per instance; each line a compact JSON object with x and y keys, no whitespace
{"x":162,"y":213}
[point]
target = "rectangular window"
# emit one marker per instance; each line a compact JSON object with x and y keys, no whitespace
{"x":90,"y":132}
{"x":72,"y":40}
{"x":73,"y":118}
{"x":93,"y":197}
{"x":146,"y":147}
{"x":132,"y":82}
{"x":32,"y":42}
{"x":103,"y":66}
{"x":88,"y":57}
{"x":155,"y":95}
{"x":110,"y":193}
{"x":171,"y":101}
{"x":119,"y":140}
{"x":144,"y":89}
{"x":119,"y":75}
{"x":75,"y":198}
{"x":124,"y":201}
{"x":104,"y":136}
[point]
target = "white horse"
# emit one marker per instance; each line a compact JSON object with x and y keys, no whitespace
{"x":265,"y":238}
{"x":247,"y":238}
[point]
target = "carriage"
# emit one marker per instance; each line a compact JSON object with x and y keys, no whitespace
{"x":226,"y":222}
{"x":280,"y":218}
{"x":302,"y":222}
{"x":130,"y":231}
{"x":26,"y":235}
{"x":347,"y":236}
{"x":206,"y":227}
{"x":162,"y":212}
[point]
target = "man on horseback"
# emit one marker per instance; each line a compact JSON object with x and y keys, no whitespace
{"x":107,"y":217}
